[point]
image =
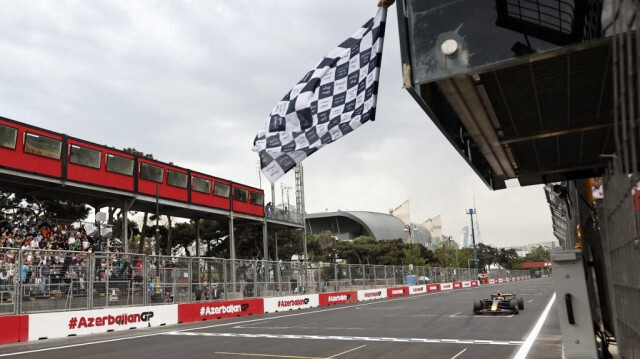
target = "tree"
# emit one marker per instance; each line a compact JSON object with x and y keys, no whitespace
{"x":538,"y":255}
{"x":132,"y":227}
{"x":487,"y":255}
{"x":48,"y":208}
{"x":320,"y":247}
{"x":413,"y":256}
{"x":445,"y":254}
{"x":508,"y":258}
{"x":464,"y":258}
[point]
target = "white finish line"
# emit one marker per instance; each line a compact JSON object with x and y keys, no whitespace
{"x":349,"y":338}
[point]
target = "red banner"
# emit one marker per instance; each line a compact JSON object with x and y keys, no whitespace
{"x":474,"y":283}
{"x":337,"y":298}
{"x":14,"y":328}
{"x":397,"y":292}
{"x":433,"y":288}
{"x":193,"y":312}
{"x":457,"y":285}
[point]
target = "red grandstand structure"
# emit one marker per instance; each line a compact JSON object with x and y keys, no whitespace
{"x":48,"y":164}
{"x":35,"y":151}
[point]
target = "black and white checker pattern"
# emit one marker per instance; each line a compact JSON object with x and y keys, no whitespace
{"x":337,"y":96}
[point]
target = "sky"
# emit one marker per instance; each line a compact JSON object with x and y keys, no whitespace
{"x":191,"y":82}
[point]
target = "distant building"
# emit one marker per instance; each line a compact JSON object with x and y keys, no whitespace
{"x":379,"y":226}
{"x":434,"y":226}
{"x":464,"y":237}
{"x":348,"y":225}
{"x":528,"y":248}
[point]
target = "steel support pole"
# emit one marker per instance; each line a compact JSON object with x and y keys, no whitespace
{"x":197,"y":237}
{"x":232,"y":251}
{"x":126,"y":207}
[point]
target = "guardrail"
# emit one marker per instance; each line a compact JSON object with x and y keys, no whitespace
{"x":36,"y":281}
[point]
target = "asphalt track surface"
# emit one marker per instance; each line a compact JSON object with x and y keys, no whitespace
{"x":435,"y":325}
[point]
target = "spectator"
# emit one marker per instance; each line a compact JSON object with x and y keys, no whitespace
{"x":45,"y":270}
{"x":24,"y":271}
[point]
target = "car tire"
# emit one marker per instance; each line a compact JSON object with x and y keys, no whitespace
{"x":477,"y":306}
{"x":513,"y":305}
{"x":520,"y":301}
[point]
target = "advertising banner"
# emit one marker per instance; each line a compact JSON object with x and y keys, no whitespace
{"x":446,"y":286}
{"x":457,"y":285}
{"x":397,"y":292}
{"x":338,"y":298}
{"x":370,"y":294}
{"x":417,"y":289}
{"x":63,"y":324}
{"x":193,"y":312}
{"x":466,"y":284}
{"x":14,"y":328}
{"x":475,"y":283}
{"x":280,"y":304}
{"x":433,"y":288}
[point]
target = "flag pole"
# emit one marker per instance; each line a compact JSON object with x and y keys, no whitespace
{"x":301,"y":210}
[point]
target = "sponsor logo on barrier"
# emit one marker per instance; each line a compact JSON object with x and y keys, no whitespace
{"x":466,"y":284}
{"x":446,"y":286}
{"x":418,"y":289}
{"x":457,"y":285}
{"x":433,"y":288}
{"x":121,"y":319}
{"x":292,"y":302}
{"x":224,"y":309}
{"x":373,"y":294}
{"x":397,"y":291}
{"x":339,"y":298}
{"x":474,"y":283}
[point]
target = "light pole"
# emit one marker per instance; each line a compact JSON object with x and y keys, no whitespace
{"x":411,"y":229}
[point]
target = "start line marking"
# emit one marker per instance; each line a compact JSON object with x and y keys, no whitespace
{"x":349,"y":338}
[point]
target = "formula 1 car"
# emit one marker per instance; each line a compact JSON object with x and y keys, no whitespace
{"x":499,"y":303}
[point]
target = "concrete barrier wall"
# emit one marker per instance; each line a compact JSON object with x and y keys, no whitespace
{"x":279,"y":304}
{"x":14,"y":328}
{"x":338,"y":298}
{"x":397,"y":292}
{"x":371,"y":294}
{"x":63,"y":324}
{"x":19,"y":328}
{"x":194,"y":312}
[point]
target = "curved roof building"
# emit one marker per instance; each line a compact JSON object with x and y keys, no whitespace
{"x":380,"y":226}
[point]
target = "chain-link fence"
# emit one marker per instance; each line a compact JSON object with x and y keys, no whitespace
{"x":34,"y":280}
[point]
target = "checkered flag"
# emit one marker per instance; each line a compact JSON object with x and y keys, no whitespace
{"x":337,"y":96}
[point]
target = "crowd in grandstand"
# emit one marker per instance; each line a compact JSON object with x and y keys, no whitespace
{"x":31,"y":232}
{"x":41,"y":255}
{"x":48,"y":250}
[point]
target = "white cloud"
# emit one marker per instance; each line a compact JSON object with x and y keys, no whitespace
{"x":192,"y":81}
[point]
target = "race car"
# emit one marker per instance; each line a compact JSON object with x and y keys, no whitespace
{"x":499,"y":303}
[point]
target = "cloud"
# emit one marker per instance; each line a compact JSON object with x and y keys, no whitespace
{"x":192,"y":81}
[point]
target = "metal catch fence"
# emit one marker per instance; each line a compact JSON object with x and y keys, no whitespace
{"x":35,"y":280}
